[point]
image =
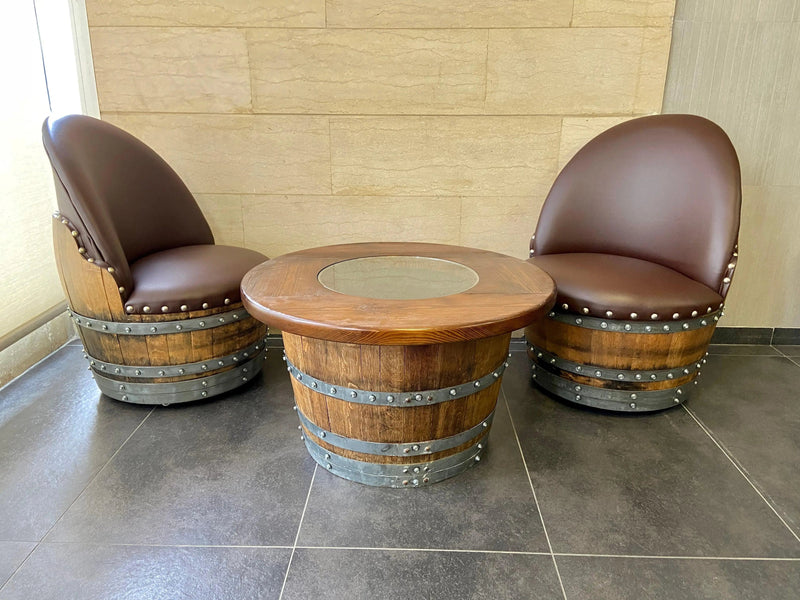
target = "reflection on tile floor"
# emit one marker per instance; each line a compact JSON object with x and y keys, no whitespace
{"x":100,"y":499}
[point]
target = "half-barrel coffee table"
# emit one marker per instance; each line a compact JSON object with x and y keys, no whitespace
{"x":396,"y":350}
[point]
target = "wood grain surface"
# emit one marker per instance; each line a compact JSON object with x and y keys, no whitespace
{"x":92,"y":292}
{"x":617,"y":350}
{"x":396,"y":369}
{"x":285,"y":293}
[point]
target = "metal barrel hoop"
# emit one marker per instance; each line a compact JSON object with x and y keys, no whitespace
{"x":547,"y":359}
{"x":610,"y":399}
{"x":631,"y":326}
{"x":175,"y":392}
{"x":398,"y":399}
{"x":393,"y":474}
{"x":414,"y":448}
{"x":160,"y":327}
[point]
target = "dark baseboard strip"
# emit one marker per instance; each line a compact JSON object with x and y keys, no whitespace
{"x":786,"y":336}
{"x":742,"y":335}
{"x":781,"y":336}
{"x":15,"y":335}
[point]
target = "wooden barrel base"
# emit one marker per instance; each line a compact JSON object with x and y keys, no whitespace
{"x":627,"y":366}
{"x":396,"y":416}
{"x":396,"y":475}
{"x":166,"y":391}
{"x":144,"y":361}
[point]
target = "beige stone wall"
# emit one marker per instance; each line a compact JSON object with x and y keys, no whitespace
{"x":737,"y":62}
{"x":313,"y":122}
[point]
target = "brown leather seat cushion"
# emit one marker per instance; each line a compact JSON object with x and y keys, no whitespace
{"x":624,"y":285}
{"x":190,"y":275}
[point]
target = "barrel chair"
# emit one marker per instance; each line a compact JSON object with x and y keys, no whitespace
{"x":155,"y":302}
{"x":639,"y":233}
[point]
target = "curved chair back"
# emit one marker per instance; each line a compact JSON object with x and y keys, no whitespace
{"x":125,"y":200}
{"x":665,"y":189}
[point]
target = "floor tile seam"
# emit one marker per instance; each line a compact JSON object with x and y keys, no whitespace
{"x":731,"y":458}
{"x":677,"y":557}
{"x":421,"y":550}
{"x":146,"y":545}
{"x":96,"y":475}
{"x":24,"y":560}
{"x":749,"y":355}
{"x":533,"y":491}
{"x":793,"y":359}
{"x":297,"y":535}
{"x":89,"y":483}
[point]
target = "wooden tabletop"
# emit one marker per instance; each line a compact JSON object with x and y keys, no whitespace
{"x":285,"y":293}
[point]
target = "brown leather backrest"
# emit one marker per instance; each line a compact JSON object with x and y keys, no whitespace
{"x":124,"y":199}
{"x":665,"y":188}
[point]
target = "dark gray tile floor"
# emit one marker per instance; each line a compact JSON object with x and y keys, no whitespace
{"x":100,"y":499}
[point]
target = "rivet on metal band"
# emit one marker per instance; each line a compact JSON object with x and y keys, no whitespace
{"x":401,"y":449}
{"x":610,"y":399}
{"x":635,"y":326}
{"x":179,"y":391}
{"x":544,"y":357}
{"x":161,"y":327}
{"x":402,"y":399}
{"x":395,"y":475}
{"x":231,"y":360}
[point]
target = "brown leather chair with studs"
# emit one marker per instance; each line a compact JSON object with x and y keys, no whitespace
{"x":155,"y":301}
{"x":639,"y":232}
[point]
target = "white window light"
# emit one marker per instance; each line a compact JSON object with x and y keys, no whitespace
{"x":66,"y":56}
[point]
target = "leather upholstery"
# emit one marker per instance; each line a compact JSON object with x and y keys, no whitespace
{"x":664,"y":189}
{"x":624,"y":285}
{"x":124,"y":200}
{"x":133,"y":213}
{"x":190,"y":276}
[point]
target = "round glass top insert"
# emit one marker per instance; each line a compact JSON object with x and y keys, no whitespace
{"x":398,"y":277}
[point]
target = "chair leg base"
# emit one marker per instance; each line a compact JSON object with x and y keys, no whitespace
{"x":606,"y":398}
{"x":187,"y":390}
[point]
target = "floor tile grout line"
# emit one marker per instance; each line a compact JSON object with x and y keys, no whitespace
{"x":729,"y":455}
{"x":533,"y":491}
{"x":657,"y":557}
{"x":146,"y":545}
{"x":791,"y":359}
{"x":24,"y":560}
{"x":529,"y":553}
{"x":71,"y":504}
{"x":443,"y":550}
{"x":297,"y":535}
